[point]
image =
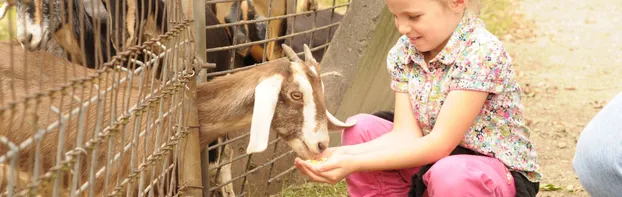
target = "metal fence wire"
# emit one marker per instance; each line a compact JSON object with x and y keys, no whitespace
{"x":242,"y":34}
{"x":92,"y":102}
{"x":97,"y":96}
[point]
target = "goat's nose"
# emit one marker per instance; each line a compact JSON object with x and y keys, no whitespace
{"x":321,"y":146}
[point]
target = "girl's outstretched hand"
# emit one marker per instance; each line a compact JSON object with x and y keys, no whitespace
{"x":336,"y":166}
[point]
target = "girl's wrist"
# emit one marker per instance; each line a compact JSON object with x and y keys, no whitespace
{"x":352,"y":151}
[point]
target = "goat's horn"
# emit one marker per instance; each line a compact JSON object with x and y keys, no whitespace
{"x":308,"y":55}
{"x":290,"y":53}
{"x":338,"y":122}
{"x":4,"y":9}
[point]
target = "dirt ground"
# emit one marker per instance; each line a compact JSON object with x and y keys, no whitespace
{"x":568,"y":71}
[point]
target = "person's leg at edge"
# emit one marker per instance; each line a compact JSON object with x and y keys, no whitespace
{"x":377,"y":183}
{"x":598,"y":156}
{"x":469,"y":175}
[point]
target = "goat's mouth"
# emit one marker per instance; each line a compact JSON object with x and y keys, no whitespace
{"x":301,"y":148}
{"x":35,"y":43}
{"x":32,"y":46}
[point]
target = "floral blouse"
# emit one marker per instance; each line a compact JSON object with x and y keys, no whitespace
{"x":473,"y":59}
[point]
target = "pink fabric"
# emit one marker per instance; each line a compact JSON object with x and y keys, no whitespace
{"x":456,"y":175}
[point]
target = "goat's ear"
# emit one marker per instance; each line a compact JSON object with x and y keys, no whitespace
{"x":291,"y":55}
{"x":335,"y":124}
{"x":266,"y":97}
{"x":308,"y":55}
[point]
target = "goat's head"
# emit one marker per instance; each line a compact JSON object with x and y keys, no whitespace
{"x":38,"y":20}
{"x":293,"y":106}
{"x":240,"y":34}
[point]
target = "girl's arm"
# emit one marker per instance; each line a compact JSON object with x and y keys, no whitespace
{"x":455,"y":118}
{"x":405,"y":126}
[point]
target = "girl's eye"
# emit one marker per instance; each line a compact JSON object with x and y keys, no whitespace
{"x":414,"y":17}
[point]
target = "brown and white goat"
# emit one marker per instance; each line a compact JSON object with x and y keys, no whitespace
{"x":43,"y":23}
{"x":283,"y":96}
{"x":302,"y":23}
{"x":244,"y":11}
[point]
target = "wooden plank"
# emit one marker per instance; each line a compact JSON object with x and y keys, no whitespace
{"x":189,"y":156}
{"x":357,"y":54}
{"x":370,"y":90}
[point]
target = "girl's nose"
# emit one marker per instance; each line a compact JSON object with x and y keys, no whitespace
{"x":403,"y":29}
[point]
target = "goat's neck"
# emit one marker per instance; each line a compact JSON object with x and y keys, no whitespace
{"x":226,"y":103}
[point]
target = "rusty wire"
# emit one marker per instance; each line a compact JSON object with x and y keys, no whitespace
{"x":63,"y":111}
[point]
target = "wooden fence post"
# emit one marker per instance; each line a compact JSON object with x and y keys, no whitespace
{"x":189,"y":162}
{"x":358,"y":53}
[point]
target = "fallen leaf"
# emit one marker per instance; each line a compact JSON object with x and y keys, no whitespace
{"x":570,"y":88}
{"x":550,"y":187}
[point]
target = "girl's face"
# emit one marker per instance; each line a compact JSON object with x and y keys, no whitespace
{"x":427,"y":23}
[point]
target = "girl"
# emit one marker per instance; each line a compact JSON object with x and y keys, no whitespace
{"x":455,"y":87}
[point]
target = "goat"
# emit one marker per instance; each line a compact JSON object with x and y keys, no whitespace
{"x":144,"y":19}
{"x":153,"y":13}
{"x":282,"y":96}
{"x":41,"y":23}
{"x":256,"y":32}
{"x":228,"y":13}
{"x":217,"y":38}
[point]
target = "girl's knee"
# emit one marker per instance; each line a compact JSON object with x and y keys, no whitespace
{"x":460,"y":175}
{"x":367,"y":127}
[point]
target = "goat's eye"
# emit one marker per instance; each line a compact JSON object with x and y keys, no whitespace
{"x":296,"y":95}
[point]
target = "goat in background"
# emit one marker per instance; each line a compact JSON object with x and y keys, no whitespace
{"x":50,"y":24}
{"x":256,"y":32}
{"x":283,"y":96}
{"x":260,"y":9}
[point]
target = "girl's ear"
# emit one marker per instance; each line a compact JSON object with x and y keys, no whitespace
{"x":458,"y":5}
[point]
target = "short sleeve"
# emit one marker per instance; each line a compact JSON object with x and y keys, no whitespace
{"x":396,"y":65}
{"x":486,"y":68}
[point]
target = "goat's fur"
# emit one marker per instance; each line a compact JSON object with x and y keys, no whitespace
{"x":294,"y":103}
{"x":141,"y":20}
{"x":234,"y":12}
{"x":302,"y":23}
{"x":40,"y":22}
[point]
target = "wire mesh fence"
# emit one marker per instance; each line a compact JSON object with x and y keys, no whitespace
{"x":97,"y":96}
{"x":93,"y":99}
{"x":243,"y":34}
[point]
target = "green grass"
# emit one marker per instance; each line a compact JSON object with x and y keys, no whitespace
{"x":316,"y":190}
{"x":503,"y":20}
{"x":497,"y":16}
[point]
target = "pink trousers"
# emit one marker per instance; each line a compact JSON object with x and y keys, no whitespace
{"x":456,"y":175}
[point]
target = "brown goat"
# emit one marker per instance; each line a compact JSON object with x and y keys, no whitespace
{"x":285,"y":97}
{"x":240,"y":11}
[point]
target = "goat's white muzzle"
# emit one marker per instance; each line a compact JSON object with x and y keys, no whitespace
{"x":30,"y":35}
